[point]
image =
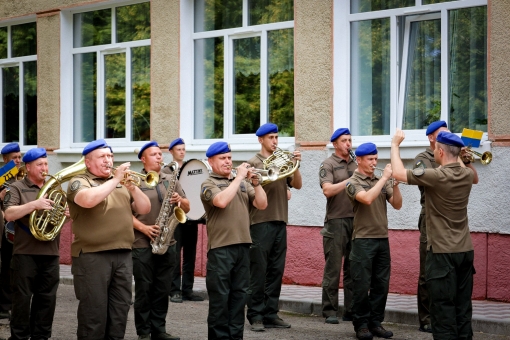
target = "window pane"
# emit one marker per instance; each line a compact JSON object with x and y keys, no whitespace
{"x":246,"y":85}
{"x":209,"y":82}
{"x":359,"y":6}
{"x":133,"y":22}
{"x":85,"y":108}
{"x":468,"y":68}
{"x":141,"y":93}
{"x":428,"y":2}
{"x":10,"y":109}
{"x":24,"y":40}
{"x":93,"y":28}
{"x":370,"y":78}
{"x":423,"y":84}
{"x":280,"y":54}
{"x":115,"y":95}
{"x":3,"y":42}
{"x":30,"y":99}
{"x":269,"y":11}
{"x":213,"y":15}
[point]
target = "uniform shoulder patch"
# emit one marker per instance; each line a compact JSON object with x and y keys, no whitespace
{"x":419,"y":164}
{"x":207,"y":194}
{"x":322,"y":172}
{"x":350,"y":188}
{"x":75,"y":185}
{"x":418,"y":171}
{"x":7,"y":197}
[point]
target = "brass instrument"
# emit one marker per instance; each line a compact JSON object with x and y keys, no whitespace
{"x":151,"y":178}
{"x":263,"y":175}
{"x":45,"y":225}
{"x":169,"y":216}
{"x":281,"y":160}
{"x":485,"y":158}
{"x":22,"y":172}
{"x":353,"y":156}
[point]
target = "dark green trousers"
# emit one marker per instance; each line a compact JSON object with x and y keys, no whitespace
{"x":267,"y":263}
{"x":370,"y":272}
{"x":153,"y":275}
{"x":227,"y":280}
{"x":337,"y":234}
{"x":186,"y":235}
{"x":450,"y":286}
{"x":423,"y":295}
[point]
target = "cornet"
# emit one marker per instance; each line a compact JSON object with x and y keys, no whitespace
{"x":151,"y":178}
{"x":270,"y":174}
{"x":485,"y":158}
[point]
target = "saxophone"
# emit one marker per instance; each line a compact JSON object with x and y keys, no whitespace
{"x":169,"y":216}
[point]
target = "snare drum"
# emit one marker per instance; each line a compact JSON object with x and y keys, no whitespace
{"x":191,"y":175}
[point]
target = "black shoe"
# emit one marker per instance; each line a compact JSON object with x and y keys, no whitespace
{"x":364,"y":334}
{"x":164,"y":336}
{"x":347,"y":318}
{"x":425,"y":328}
{"x":177,"y":297}
{"x":332,"y":320}
{"x":192,"y":297}
{"x":276,"y":323}
{"x":381,"y":332}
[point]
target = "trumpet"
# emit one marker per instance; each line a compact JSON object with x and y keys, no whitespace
{"x":485,"y":158}
{"x":353,"y":156}
{"x":151,"y":179}
{"x":271,"y":174}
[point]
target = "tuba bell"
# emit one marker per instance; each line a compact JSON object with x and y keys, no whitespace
{"x":45,"y":225}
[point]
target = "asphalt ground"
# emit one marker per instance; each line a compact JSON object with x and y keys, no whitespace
{"x":188,"y":320}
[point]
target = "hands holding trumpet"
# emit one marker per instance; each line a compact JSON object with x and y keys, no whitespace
{"x":246,"y":171}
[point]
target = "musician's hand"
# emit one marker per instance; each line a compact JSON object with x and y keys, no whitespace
{"x":66,"y":213}
{"x":2,"y":194}
{"x":289,"y":194}
{"x":387,"y":171}
{"x":398,"y":137}
{"x":121,"y":171}
{"x":151,"y":231}
{"x":242,"y":170}
{"x":176,"y":198}
{"x":129,"y":184}
{"x":43,"y":203}
{"x":297,"y":155}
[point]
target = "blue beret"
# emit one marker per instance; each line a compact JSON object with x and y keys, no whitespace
{"x":146,"y":146}
{"x":11,"y":147}
{"x":366,"y":149}
{"x":175,"y":142}
{"x":34,"y":154}
{"x":449,"y":138}
{"x":97,"y":144}
{"x":339,"y":132}
{"x":217,"y":148}
{"x":266,"y":128}
{"x":434,"y":126}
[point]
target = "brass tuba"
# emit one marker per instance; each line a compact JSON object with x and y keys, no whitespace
{"x":282,"y":161}
{"x":45,"y":225}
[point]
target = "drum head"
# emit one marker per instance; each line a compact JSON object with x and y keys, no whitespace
{"x":191,"y":175}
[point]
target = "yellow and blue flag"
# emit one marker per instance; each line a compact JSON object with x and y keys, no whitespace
{"x":8,"y":171}
{"x":471,"y":138}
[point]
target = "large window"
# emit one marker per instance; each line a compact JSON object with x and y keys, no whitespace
{"x":18,"y":84}
{"x":243,"y":67}
{"x":411,"y":62}
{"x":111,"y":80}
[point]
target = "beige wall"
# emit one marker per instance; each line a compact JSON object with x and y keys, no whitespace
{"x":313,"y":50}
{"x":499,"y":71}
{"x":48,"y":80}
{"x":18,"y":8}
{"x":165,"y":92}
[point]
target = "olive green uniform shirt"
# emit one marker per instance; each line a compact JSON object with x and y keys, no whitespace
{"x":108,"y":225}
{"x":230,"y":225}
{"x":335,"y":170}
{"x":370,"y":221}
{"x":21,"y":193}
{"x":424,"y":160}
{"x":277,"y":201}
{"x":447,"y":189}
{"x":142,"y":240}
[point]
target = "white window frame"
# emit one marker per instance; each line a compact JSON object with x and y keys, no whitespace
{"x":243,"y":142}
{"x":342,"y":61}
{"x":67,"y":91}
{"x":16,"y":62}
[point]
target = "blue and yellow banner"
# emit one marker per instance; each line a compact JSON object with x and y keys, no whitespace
{"x":471,"y":138}
{"x":7,"y":172}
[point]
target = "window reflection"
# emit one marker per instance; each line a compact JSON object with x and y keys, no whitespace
{"x":213,"y":15}
{"x":30,"y":102}
{"x":85,"y":94}
{"x":93,"y":28}
{"x":141,"y":93}
{"x":269,"y":11}
{"x":133,"y":22}
{"x":3,"y":42}
{"x":10,"y":104}
{"x":360,"y":6}
{"x":24,"y":40}
{"x":115,"y":95}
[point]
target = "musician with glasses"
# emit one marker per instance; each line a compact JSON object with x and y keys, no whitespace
{"x":10,"y":152}
{"x":370,"y":253}
{"x":449,"y":263}
{"x":186,"y":235}
{"x":227,"y":201}
{"x":334,"y":173}
{"x":268,"y":231}
{"x":153,"y":272}
{"x":100,"y":204}
{"x":35,"y":270}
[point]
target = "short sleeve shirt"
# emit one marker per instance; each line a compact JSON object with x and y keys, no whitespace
{"x":156,"y":195}
{"x":447,"y":190}
{"x":21,"y":193}
{"x":230,"y":225}
{"x":370,"y":221}
{"x":335,"y":170}
{"x":277,"y":201}
{"x":108,"y":225}
{"x":424,"y":160}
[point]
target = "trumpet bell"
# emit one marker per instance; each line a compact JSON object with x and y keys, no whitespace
{"x":485,"y":158}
